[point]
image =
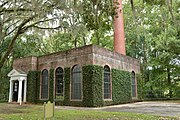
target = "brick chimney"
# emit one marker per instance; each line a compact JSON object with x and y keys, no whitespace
{"x":119,"y":40}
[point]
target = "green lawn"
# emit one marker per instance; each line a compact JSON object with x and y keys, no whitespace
{"x":35,"y":112}
{"x":169,"y":101}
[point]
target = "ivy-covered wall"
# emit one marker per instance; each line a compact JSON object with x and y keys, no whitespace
{"x":121,"y":86}
{"x":51,"y":85}
{"x":38,"y":87}
{"x":66,"y":86}
{"x":92,"y":78}
{"x":92,"y":85}
{"x":87,"y":86}
{"x":139,"y":86}
{"x":67,"y":101}
{"x":33,"y":86}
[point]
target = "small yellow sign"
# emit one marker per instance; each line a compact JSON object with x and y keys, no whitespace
{"x":48,"y":110}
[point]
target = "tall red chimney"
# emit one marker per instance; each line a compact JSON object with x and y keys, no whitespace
{"x":119,"y":40}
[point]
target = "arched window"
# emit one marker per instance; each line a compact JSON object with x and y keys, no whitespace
{"x":44,"y":84}
{"x":133,"y":84}
{"x":107,"y":83}
{"x":59,"y":83}
{"x":76,"y":83}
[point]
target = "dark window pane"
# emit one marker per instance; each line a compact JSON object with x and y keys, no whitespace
{"x":76,"y":83}
{"x":134,"y":91}
{"x":44,"y":85}
{"x":133,"y":85}
{"x":59,"y":83}
{"x":107,"y":83}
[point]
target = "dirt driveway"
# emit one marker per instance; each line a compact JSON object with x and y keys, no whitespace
{"x":154,"y":108}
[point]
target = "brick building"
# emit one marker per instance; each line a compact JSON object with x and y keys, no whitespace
{"x":62,"y":77}
{"x":85,"y":76}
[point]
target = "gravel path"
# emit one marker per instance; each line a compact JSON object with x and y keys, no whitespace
{"x":154,"y":108}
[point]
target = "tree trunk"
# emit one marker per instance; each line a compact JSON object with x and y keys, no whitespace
{"x":133,"y":9}
{"x":75,"y":42}
{"x":169,"y":5}
{"x":4,"y":58}
{"x":169,"y":82}
{"x":20,"y":30}
{"x":84,"y":41}
{"x":1,"y":31}
{"x":97,"y":22}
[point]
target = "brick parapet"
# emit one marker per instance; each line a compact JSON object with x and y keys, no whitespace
{"x":25,"y":64}
{"x":86,"y":55}
{"x":102,"y":56}
{"x":69,"y":58}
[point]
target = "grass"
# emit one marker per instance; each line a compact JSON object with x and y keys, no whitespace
{"x":35,"y":112}
{"x":167,"y":101}
{"x":172,"y":101}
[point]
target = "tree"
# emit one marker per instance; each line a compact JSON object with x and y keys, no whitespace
{"x":27,"y":45}
{"x":153,"y":37}
{"x":98,"y":18}
{"x":74,"y":17}
{"x":21,"y":16}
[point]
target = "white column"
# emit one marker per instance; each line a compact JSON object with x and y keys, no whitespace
{"x":20,"y":91}
{"x":25,"y":89}
{"x":11,"y":91}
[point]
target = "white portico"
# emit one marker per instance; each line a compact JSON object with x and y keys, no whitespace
{"x":18,"y":86}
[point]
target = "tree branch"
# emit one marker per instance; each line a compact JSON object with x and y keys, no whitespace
{"x":3,"y":4}
{"x":48,"y":28}
{"x":1,"y":31}
{"x":12,"y":29}
{"x":14,"y":9}
{"x":10,"y":47}
{"x":35,"y":23}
